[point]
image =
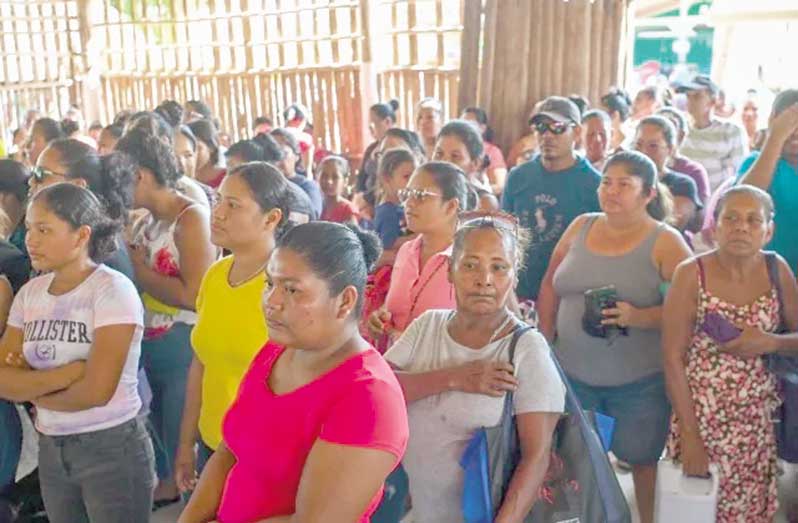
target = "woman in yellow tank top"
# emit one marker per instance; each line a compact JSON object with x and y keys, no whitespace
{"x":251,"y":211}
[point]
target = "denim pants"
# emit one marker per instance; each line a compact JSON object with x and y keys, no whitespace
{"x":642,"y":415}
{"x":166,"y":361}
{"x":105,"y":476}
{"x":10,"y":444}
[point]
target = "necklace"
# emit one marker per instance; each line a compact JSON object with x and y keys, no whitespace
{"x":507,"y":320}
{"x":244,"y":280}
{"x":444,"y":260}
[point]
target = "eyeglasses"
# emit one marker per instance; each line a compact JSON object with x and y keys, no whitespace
{"x":555,"y":128}
{"x":418,"y":195}
{"x":650,"y":146}
{"x":40,"y":173}
{"x":496,"y":219}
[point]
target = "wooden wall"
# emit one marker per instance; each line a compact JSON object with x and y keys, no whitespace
{"x":40,"y":58}
{"x":534,"y":49}
{"x":417,"y":53}
{"x":245,"y":58}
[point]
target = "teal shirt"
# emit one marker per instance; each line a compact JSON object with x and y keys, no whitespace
{"x":546,"y":203}
{"x":784,"y":191}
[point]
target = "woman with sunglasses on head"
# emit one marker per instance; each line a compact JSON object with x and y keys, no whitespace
{"x":319,"y":420}
{"x":455,"y":368}
{"x":460,"y":143}
{"x":109,"y":177}
{"x":434,"y":196}
{"x":601,"y":305}
{"x":723,"y":311}
{"x":252,"y":213}
{"x":171,"y":251}
{"x":74,"y":340}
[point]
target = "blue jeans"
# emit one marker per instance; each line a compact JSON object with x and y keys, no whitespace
{"x":10,"y":444}
{"x":166,"y":361}
{"x":642,"y":415}
{"x":105,"y":476}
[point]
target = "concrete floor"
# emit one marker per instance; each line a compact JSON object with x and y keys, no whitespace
{"x":788,"y":493}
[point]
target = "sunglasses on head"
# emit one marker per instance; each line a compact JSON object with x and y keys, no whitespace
{"x":496,"y":219}
{"x":418,"y":195}
{"x":556,"y":128}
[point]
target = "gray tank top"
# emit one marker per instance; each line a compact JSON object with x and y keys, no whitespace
{"x":600,"y":361}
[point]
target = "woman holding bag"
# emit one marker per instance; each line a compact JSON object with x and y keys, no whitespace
{"x":722,"y":312}
{"x":454,"y":369}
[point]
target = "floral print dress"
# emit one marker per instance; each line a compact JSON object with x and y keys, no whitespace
{"x":163,"y":257}
{"x":734,"y":402}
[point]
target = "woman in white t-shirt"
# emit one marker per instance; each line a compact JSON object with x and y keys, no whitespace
{"x":72,"y":348}
{"x":454,"y":368}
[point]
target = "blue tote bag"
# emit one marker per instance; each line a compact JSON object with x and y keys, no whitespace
{"x":580,"y":485}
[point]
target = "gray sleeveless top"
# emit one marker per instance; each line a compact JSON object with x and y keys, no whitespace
{"x":600,"y":361}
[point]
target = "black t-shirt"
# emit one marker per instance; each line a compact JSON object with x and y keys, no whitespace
{"x":14,"y":265}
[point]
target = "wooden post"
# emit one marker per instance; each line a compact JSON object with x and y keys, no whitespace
{"x":537,"y":49}
{"x":469,"y":54}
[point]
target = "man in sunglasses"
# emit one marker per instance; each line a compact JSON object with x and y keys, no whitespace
{"x":552,"y":189}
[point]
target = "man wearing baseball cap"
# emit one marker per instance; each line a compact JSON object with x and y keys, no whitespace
{"x":550,"y":190}
{"x":718,"y":145}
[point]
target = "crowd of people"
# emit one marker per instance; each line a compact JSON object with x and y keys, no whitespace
{"x":268,"y":331}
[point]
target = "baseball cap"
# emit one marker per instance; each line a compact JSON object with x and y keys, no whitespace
{"x":682,"y":185}
{"x":698,"y":82}
{"x":558,"y":109}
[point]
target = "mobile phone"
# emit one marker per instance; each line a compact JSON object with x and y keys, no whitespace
{"x":720,"y":329}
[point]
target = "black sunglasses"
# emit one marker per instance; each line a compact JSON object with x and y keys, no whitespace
{"x":555,"y":128}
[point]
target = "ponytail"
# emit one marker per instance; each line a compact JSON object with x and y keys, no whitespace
{"x":661,"y":207}
{"x":110,"y":177}
{"x":637,"y":164}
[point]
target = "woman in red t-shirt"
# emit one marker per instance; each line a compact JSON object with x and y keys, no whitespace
{"x":320,"y":419}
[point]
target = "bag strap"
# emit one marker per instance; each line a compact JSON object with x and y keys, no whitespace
{"x":771,"y":261}
{"x":518,"y":331}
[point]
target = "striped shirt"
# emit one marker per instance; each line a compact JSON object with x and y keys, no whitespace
{"x":719,"y":147}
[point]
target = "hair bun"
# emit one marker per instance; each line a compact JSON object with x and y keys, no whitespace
{"x":370,"y":242}
{"x":394,"y":103}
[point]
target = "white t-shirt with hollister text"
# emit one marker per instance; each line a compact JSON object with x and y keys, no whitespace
{"x":60,"y":329}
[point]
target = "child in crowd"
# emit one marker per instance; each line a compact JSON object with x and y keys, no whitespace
{"x":333,"y":181}
{"x":394,"y":170}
